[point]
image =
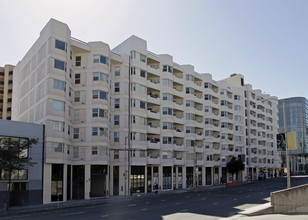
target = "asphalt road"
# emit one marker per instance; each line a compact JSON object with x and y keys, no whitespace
{"x":198,"y":204}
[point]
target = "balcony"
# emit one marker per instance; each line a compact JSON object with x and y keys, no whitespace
{"x":153,"y":144}
{"x":153,"y":160}
{"x":152,"y":113}
{"x":153,"y":129}
{"x":154,"y":99}
{"x":178,"y":161}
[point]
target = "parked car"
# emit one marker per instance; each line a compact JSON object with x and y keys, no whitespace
{"x":261,"y":176}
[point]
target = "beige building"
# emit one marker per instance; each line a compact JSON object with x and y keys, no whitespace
{"x":6,"y":86}
{"x":129,"y":121}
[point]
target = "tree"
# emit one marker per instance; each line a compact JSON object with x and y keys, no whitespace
{"x":235,"y":165}
{"x":14,"y":157}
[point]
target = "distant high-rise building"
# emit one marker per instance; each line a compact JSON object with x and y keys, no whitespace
{"x":127,"y":120}
{"x":6,"y":86}
{"x":296,"y":120}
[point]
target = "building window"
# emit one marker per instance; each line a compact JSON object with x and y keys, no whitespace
{"x":58,"y":147}
{"x":223,"y":103}
{"x":78,"y":61}
{"x":208,"y":109}
{"x":75,"y":152}
{"x":167,"y":82}
{"x":167,"y":111}
{"x":237,"y":97}
{"x":58,"y":64}
{"x":208,"y":85}
{"x":167,"y":140}
{"x":58,"y":105}
{"x":76,"y":133}
{"x":101,"y":59}
{"x":77,"y":96}
{"x":97,"y":112}
{"x":142,"y":89}
{"x":190,"y":90}
{"x":237,"y":118}
{"x":100,"y":76}
{"x":58,"y":84}
{"x":116,"y":87}
{"x":142,"y":105}
{"x":58,"y":126}
{"x":143,"y":58}
{"x":223,"y":114}
{"x":238,"y":128}
{"x":97,"y":94}
{"x":142,"y":137}
{"x":190,"y":103}
{"x":116,"y":136}
{"x":237,"y":107}
{"x":77,"y":78}
{"x":98,"y":131}
{"x":167,"y":68}
{"x":190,"y":130}
{"x":143,"y":73}
{"x":94,"y":150}
{"x":117,"y":70}
{"x":190,"y":78}
{"x":169,"y":97}
{"x":133,"y":71}
{"x":207,"y":97}
{"x":76,"y":115}
{"x":167,"y":125}
{"x":190,"y":116}
{"x":116,"y":154}
{"x":116,"y":119}
{"x":116,"y":103}
{"x":60,"y":45}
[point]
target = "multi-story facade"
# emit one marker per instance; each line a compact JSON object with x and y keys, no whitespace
{"x":6,"y":86}
{"x":127,"y":120}
{"x":297,"y":120}
{"x":27,"y":183}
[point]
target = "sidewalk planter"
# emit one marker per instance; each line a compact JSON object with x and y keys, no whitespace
{"x":237,"y":183}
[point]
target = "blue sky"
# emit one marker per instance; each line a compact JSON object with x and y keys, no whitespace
{"x":264,"y":40}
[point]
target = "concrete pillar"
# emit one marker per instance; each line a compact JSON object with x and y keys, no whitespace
{"x":87,"y":179}
{"x":111,"y":181}
{"x":219,"y":174}
{"x":47,"y":184}
{"x":212,"y":175}
{"x":107,"y":181}
{"x":160,"y":177}
{"x":146,"y":179}
{"x":65,"y":182}
{"x":172,"y":180}
{"x":184,"y":177}
{"x":203,"y":176}
{"x":176,"y":177}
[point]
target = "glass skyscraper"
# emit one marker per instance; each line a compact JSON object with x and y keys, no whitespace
{"x":297,"y":120}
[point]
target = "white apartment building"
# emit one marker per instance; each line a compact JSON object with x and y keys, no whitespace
{"x":129,"y":121}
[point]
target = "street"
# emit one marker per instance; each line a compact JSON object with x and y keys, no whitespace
{"x":196,"y":204}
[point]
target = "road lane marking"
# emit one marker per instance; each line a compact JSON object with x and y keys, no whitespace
{"x":235,"y":199}
{"x":72,"y":213}
{"x":186,"y":197}
{"x":144,"y":209}
{"x":104,"y":216}
{"x":215,"y":203}
{"x":163,"y":200}
{"x":203,"y":199}
{"x":178,"y":203}
{"x":132,"y":205}
{"x":147,"y":203}
{"x":184,"y":210}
